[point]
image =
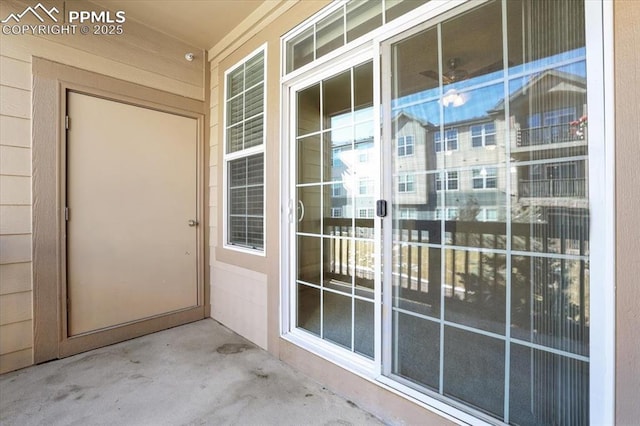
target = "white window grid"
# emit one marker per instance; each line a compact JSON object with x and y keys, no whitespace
{"x":251,"y":147}
{"x":406,"y":145}
{"x":451,"y":181}
{"x":450,"y":140}
{"x":406,"y":183}
{"x":484,"y":178}
{"x":483,"y":135}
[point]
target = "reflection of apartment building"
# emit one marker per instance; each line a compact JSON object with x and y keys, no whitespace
{"x":549,"y":115}
{"x":547,"y":139}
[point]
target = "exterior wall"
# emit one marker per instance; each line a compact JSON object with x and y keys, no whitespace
{"x":627,"y":110}
{"x":140,"y":55}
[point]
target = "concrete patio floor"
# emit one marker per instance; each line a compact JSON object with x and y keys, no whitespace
{"x":196,"y":374}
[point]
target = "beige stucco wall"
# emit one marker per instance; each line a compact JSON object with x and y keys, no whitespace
{"x":627,"y":111}
{"x":140,"y":55}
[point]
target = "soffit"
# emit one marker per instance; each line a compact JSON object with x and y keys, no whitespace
{"x":202,"y":23}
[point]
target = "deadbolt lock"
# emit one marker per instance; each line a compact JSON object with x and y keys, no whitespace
{"x":193,"y":222}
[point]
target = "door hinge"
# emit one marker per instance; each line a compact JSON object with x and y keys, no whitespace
{"x":67,"y":121}
{"x":66,"y":213}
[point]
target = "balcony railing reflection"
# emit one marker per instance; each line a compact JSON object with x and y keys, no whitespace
{"x":544,"y":135}
{"x":549,"y":295}
{"x":544,"y":188}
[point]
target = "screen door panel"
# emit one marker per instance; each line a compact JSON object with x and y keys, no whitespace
{"x":131,"y":192}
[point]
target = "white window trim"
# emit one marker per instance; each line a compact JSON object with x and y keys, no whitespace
{"x":228,"y":157}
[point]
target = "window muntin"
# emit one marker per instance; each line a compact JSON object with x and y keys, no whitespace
{"x":405,"y":145}
{"x":450,"y":141}
{"x":244,"y":153}
{"x":483,"y":135}
{"x":406,"y":183}
{"x":348,"y":22}
{"x":450,"y":181}
{"x":485,"y":178}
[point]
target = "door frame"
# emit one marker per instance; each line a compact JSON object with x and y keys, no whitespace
{"x":52,"y":81}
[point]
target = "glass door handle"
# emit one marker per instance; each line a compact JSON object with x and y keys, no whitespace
{"x":301,"y":209}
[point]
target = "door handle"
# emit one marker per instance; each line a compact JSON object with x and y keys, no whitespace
{"x":301,"y":209}
{"x":193,"y":222}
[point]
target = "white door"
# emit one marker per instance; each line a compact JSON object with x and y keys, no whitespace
{"x":131,"y":189}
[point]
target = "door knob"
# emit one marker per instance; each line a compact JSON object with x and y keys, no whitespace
{"x":193,"y":222}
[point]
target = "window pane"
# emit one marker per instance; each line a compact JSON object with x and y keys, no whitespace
{"x":234,"y":138}
{"x":309,"y":156}
{"x":330,"y":33}
{"x":550,"y":302}
{"x":396,"y":8}
{"x":337,"y":318}
{"x":300,"y":50}
{"x":235,"y":82}
{"x":417,"y":356}
{"x":246,"y":202}
{"x":254,"y":71}
{"x":235,"y":113}
{"x":254,"y":101}
{"x":547,"y":389}
{"x":309,"y":259}
{"x":308,"y":116}
{"x":336,"y":96}
{"x":362,"y":17}
{"x":474,"y":369}
{"x":308,"y":314}
{"x":475,"y":290}
{"x":254,"y":132}
{"x":363,"y":330}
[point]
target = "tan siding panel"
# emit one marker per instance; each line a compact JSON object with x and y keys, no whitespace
{"x":627,"y":111}
{"x":15,"y":278}
{"x":15,"y":307}
{"x":15,"y":248}
{"x":15,"y":102}
{"x":15,"y":190}
{"x":15,"y":131}
{"x":16,"y":360}
{"x":25,"y":46}
{"x":16,"y":337}
{"x":15,"y":161}
{"x":15,"y":73}
{"x":140,"y":46}
{"x":15,"y":220}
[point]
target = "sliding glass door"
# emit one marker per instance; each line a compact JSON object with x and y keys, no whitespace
{"x":336,"y":173}
{"x":488,"y":239}
{"x":440,"y":209}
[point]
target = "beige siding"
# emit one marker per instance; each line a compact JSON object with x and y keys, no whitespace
{"x":15,"y":131}
{"x":141,"y":55}
{"x":627,"y":91}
